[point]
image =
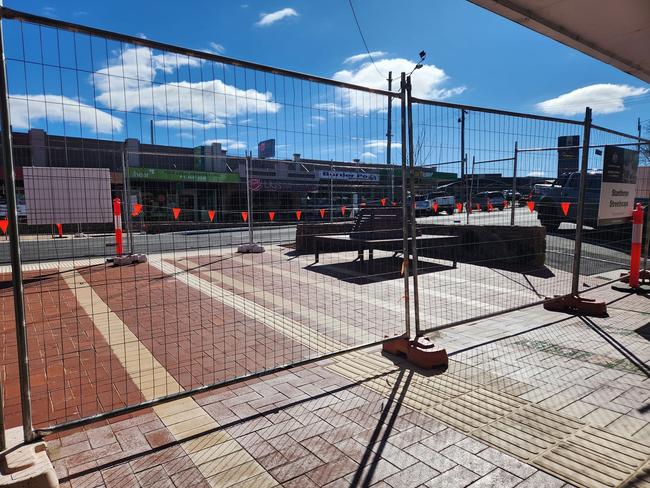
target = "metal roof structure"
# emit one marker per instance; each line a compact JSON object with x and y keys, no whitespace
{"x":616,"y":32}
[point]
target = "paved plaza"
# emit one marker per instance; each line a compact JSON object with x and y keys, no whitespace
{"x":530,"y":398}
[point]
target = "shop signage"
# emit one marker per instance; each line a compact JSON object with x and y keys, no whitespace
{"x":567,"y":154}
{"x":618,"y":187}
{"x":182,"y":175}
{"x":347,"y":176}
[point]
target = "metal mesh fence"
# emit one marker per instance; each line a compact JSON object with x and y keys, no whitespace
{"x":507,"y":257}
{"x":168,"y":137}
{"x":125,"y":148}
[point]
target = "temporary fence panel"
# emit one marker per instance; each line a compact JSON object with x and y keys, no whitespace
{"x":209,"y":156}
{"x":198,"y":147}
{"x":506,"y":259}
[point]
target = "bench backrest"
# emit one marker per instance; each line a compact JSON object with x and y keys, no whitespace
{"x":378,"y":223}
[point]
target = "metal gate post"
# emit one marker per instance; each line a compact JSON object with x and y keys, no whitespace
{"x":414,"y":251}
{"x":573,"y":303}
{"x":14,"y":248}
{"x":463,"y":160}
{"x":3,"y":441}
{"x":513,"y":202}
{"x":581,"y":203}
{"x":405,"y":210}
{"x":249,"y":197}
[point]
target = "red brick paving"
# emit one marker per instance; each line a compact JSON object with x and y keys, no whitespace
{"x":199,"y":340}
{"x":354,"y":305}
{"x":73,"y":372}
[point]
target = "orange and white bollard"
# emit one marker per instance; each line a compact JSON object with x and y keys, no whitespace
{"x":635,"y":253}
{"x":117,"y":220}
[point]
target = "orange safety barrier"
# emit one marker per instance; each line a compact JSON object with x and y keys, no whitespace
{"x":635,"y":253}
{"x":117,"y":220}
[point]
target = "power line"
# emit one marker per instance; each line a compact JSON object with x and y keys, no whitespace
{"x":354,"y":14}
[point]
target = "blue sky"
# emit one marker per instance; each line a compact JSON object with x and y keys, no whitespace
{"x":473,"y":57}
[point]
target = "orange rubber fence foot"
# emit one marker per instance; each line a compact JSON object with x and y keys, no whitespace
{"x":420,"y":351}
{"x":578,"y":305}
{"x":644,"y":275}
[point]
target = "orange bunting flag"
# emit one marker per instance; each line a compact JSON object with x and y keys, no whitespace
{"x":244,"y":216}
{"x":176,"y":211}
{"x":490,"y":207}
{"x":343,"y":211}
{"x":211,"y":215}
{"x":383,"y":201}
{"x":531,"y":206}
{"x":505,"y":204}
{"x":394,"y":204}
{"x":298,"y":214}
{"x":459,"y":207}
{"x":435,"y":207}
{"x":137,"y":208}
{"x":4,"y":223}
{"x":272,"y":216}
{"x":565,"y":208}
{"x":478,"y":206}
{"x":59,"y":229}
{"x":322,"y":213}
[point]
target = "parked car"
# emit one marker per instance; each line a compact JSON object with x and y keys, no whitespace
{"x":434,"y":203}
{"x":507,"y":194}
{"x":440,"y":202}
{"x":21,"y":207}
{"x":489,"y":197}
{"x":422,"y":205}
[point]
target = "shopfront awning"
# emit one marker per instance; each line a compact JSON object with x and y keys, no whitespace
{"x":616,"y":32}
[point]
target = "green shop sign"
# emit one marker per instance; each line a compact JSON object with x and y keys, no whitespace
{"x":182,"y":175}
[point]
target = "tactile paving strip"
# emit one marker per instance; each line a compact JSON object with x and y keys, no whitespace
{"x":561,"y":445}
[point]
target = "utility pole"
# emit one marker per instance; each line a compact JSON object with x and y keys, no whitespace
{"x":389,"y":124}
{"x":389,"y":137}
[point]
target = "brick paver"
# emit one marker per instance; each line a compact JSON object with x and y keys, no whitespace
{"x":325,"y":425}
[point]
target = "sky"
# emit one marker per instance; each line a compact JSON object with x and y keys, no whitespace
{"x":472,"y":57}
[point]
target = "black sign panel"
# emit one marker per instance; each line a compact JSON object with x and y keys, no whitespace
{"x":266,"y":149}
{"x":620,"y":165}
{"x":567,"y":159}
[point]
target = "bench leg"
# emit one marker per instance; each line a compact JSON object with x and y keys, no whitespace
{"x":360,"y":255}
{"x":316,"y":257}
{"x":371,"y":254}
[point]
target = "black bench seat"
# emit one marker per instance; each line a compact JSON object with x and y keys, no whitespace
{"x":379,"y":229}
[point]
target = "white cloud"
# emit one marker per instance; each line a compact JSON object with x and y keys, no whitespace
{"x":364,"y":56}
{"x":426,"y":81}
{"x":188,"y":124}
{"x":127,"y":84}
{"x":319,"y":118}
{"x":273,"y":17}
{"x":380,"y":144}
{"x":603,"y":98}
{"x":25,"y":113}
{"x":367,"y":156}
{"x":216,"y":48}
{"x":227,"y":144}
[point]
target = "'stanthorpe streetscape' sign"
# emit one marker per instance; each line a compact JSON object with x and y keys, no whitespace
{"x":618,"y":187}
{"x":347,"y":176}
